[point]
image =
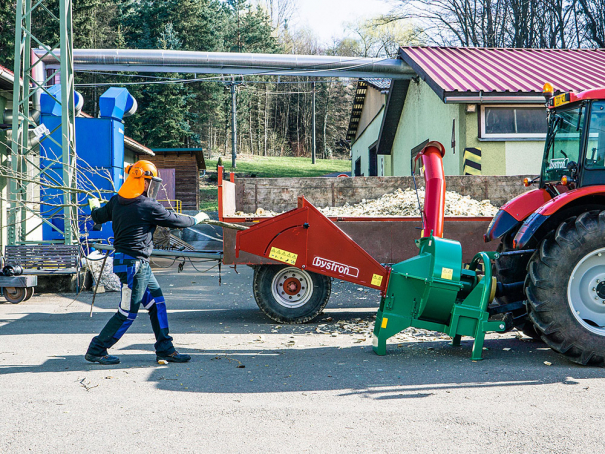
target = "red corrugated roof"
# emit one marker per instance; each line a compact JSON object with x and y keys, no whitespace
{"x":489,"y":70}
{"x":4,"y":68}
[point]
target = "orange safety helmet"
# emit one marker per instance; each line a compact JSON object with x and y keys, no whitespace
{"x":134,"y":185}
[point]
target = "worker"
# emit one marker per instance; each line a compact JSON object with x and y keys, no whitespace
{"x":135,"y":213}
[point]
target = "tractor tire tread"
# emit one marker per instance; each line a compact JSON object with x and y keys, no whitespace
{"x":549,"y":270}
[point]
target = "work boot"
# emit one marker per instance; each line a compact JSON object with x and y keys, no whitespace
{"x":104,"y":360}
{"x":174,"y":357}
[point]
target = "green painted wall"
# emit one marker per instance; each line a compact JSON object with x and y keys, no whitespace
{"x":360,"y":147}
{"x":425,"y":116}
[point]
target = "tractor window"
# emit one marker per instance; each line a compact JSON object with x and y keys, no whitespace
{"x":563,"y":143}
{"x":595,"y":151}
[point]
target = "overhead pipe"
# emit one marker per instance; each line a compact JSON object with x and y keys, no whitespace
{"x":433,"y":211}
{"x":178,"y":61}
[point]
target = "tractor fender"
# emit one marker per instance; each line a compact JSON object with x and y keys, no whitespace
{"x":512,"y":213}
{"x":570,"y":203}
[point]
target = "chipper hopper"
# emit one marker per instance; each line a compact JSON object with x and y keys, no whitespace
{"x":433,"y":290}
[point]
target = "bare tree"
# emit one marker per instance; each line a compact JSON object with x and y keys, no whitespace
{"x":594,"y":14}
{"x":506,"y":23}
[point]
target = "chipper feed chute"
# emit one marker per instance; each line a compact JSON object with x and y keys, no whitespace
{"x":306,"y":239}
{"x":433,"y":290}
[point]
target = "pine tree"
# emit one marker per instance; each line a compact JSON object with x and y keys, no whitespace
{"x":163,"y":119}
{"x":7,"y":34}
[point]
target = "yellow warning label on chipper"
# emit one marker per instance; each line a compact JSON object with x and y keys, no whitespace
{"x":384,"y":322}
{"x":447,"y":273}
{"x":283,"y":256}
{"x":376,"y":280}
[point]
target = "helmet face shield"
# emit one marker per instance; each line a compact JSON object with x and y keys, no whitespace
{"x":138,"y":173}
{"x":154,"y":188}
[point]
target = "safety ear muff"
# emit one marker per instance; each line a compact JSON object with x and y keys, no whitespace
{"x":128,"y":169}
{"x":137,"y":172}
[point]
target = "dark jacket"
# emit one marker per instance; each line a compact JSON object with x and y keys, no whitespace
{"x":135,"y":220}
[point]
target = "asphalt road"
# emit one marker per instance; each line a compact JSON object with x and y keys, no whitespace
{"x":298,"y":390}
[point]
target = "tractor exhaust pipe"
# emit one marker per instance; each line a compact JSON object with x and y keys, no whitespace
{"x":433,"y":211}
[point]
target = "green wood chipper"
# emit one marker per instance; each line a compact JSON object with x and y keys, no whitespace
{"x":433,"y":290}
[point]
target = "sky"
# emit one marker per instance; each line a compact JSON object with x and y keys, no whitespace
{"x":327,"y":18}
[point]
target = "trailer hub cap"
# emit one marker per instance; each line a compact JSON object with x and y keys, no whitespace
{"x":586,"y":292}
{"x":292,"y":287}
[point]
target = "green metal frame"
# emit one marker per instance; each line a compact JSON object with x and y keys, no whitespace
{"x":25,"y":88}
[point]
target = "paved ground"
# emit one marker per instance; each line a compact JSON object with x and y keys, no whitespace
{"x":298,"y":390}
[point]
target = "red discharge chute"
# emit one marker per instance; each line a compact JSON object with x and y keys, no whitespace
{"x":434,"y":196}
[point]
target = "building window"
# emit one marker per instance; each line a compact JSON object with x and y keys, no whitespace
{"x":513,"y":122}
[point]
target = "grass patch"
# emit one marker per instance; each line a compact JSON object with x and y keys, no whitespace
{"x":276,"y":167}
{"x":208,"y":197}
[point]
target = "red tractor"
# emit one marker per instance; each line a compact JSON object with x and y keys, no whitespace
{"x":552,"y":261}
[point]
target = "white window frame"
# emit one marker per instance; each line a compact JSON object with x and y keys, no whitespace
{"x":508,"y":136}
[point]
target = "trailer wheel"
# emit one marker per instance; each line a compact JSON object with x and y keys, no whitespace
{"x":29,"y":292}
{"x":290,"y":295}
{"x":14,"y":294}
{"x":566,"y":289}
{"x":508,"y":270}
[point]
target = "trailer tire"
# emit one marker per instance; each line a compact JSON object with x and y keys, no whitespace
{"x":290,"y":295}
{"x":562,"y":286}
{"x":14,"y":294}
{"x":29,"y":292}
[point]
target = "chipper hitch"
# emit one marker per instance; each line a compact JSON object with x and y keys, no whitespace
{"x":432,"y":290}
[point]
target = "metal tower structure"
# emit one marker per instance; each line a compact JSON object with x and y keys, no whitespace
{"x":30,"y":81}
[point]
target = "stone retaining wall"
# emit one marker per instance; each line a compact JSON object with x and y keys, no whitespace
{"x":280,"y":194}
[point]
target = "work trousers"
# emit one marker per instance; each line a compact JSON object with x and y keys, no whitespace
{"x":139,"y":287}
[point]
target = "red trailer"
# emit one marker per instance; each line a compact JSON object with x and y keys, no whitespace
{"x":290,"y":295}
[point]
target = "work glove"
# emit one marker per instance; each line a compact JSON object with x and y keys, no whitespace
{"x":200,"y":217}
{"x":94,"y":203}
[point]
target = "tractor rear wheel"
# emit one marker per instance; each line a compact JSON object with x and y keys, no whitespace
{"x":566,"y":288}
{"x":290,"y":295}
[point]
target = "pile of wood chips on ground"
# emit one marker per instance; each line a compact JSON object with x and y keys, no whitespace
{"x":403,"y":203}
{"x":361,"y":329}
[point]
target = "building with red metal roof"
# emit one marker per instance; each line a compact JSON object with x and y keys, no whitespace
{"x":484,"y":104}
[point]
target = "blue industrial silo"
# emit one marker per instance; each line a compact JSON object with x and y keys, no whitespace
{"x":100,"y":158}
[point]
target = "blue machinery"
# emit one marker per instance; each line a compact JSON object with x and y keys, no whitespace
{"x":99,"y":158}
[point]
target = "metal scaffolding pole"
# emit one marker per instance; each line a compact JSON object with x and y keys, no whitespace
{"x":20,"y":123}
{"x":233,"y":125}
{"x":28,"y":84}
{"x":313,"y":151}
{"x":68,"y":122}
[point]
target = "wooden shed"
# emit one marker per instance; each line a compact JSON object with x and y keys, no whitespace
{"x":187,"y":164}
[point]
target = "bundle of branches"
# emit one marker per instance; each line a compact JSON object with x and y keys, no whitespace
{"x":163,"y":239}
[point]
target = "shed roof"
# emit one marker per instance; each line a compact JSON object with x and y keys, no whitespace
{"x":477,"y":70}
{"x":379,"y":84}
{"x":197,"y":152}
{"x":7,"y":78}
{"x":382,"y":85}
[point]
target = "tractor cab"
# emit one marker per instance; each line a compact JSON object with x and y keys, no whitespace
{"x":574,"y":152}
